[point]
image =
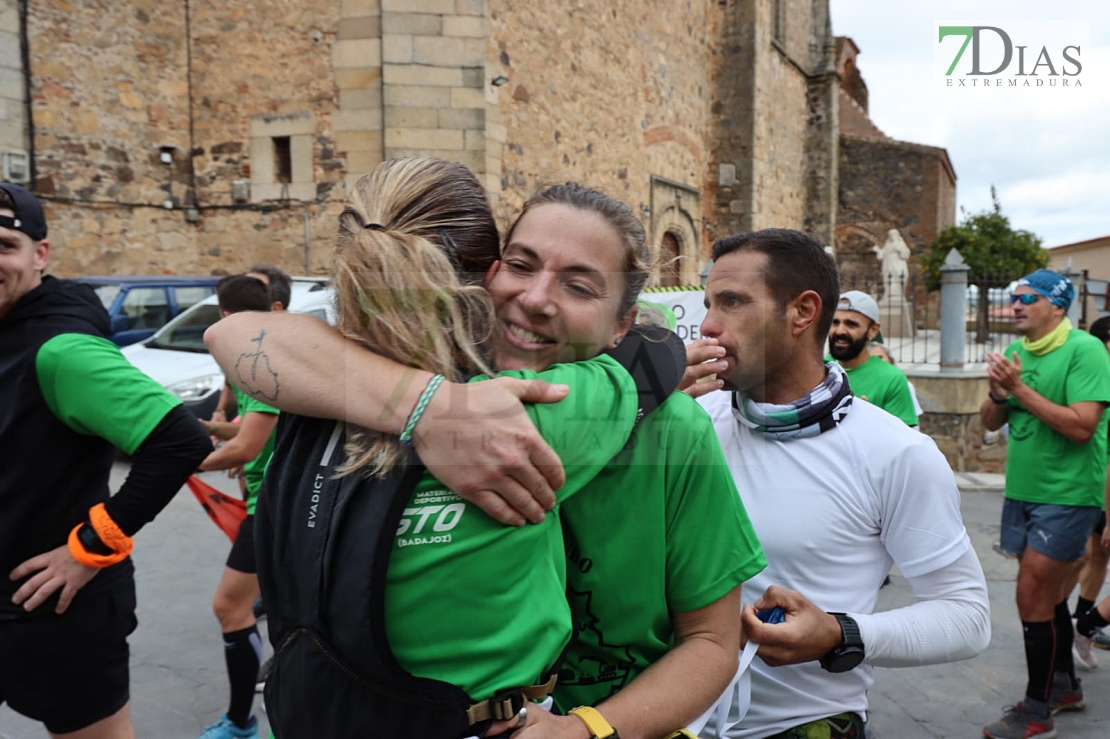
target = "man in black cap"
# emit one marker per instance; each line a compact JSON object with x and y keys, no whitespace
{"x":67,"y":398}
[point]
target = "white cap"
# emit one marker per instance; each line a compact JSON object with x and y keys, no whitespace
{"x":861,"y":303}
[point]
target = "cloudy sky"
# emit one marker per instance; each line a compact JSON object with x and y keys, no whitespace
{"x":1047,"y":150}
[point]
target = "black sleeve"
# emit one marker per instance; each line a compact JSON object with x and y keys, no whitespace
{"x":656,"y":359}
{"x":162,"y":463}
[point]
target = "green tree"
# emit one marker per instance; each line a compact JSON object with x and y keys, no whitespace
{"x":996,"y":253}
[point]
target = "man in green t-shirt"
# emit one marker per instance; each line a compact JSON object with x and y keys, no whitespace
{"x":1052,"y":387}
{"x":855,"y":325}
{"x":68,"y":399}
{"x":249,"y":447}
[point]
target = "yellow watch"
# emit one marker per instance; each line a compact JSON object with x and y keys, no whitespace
{"x":599,"y":728}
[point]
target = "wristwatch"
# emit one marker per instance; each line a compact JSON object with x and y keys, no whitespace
{"x":996,"y":401}
{"x":598,"y":727}
{"x":849,"y":653}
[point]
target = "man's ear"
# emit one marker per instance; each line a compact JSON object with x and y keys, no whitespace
{"x":491,"y":272}
{"x":42,"y":255}
{"x":623,"y":327}
{"x":803,"y":312}
{"x":874,"y":330}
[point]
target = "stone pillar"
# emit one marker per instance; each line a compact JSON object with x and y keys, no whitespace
{"x":434,"y":84}
{"x":357,"y":64}
{"x":953,"y":311}
{"x":1075,"y":311}
{"x":13,"y":95}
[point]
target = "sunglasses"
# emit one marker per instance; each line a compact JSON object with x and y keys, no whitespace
{"x":1025,"y":298}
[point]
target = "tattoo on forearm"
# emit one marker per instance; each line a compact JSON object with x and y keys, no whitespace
{"x":254,"y":374}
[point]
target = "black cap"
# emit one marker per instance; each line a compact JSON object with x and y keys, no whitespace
{"x":29,"y":217}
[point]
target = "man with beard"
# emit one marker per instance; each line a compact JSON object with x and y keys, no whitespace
{"x":874,"y":492}
{"x":855,"y":324}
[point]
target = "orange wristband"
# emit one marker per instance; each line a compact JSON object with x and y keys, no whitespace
{"x":108,"y":532}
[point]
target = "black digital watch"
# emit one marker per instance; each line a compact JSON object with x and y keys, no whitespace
{"x":849,"y":653}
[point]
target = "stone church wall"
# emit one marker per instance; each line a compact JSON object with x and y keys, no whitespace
{"x":695,"y":113}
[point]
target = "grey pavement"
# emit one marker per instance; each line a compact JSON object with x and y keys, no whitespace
{"x":179,"y":683}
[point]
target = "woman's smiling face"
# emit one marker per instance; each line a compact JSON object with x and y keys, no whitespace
{"x":557,"y":289}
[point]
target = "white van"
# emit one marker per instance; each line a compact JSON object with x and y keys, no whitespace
{"x":177,"y":358}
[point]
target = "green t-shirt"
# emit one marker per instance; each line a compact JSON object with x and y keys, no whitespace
{"x":91,"y":388}
{"x":883,"y":385}
{"x":1043,"y":465}
{"x":482,"y":605}
{"x":255,"y":470}
{"x":661,"y":529}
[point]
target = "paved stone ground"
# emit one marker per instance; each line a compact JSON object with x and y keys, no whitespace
{"x":179,"y":684}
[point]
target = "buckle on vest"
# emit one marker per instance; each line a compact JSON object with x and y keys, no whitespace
{"x":507,"y":705}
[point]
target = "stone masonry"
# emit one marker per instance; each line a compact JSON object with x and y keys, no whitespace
{"x":196,"y":137}
{"x":13,"y":115}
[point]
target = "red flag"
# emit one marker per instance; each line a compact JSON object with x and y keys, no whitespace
{"x":225,"y":511}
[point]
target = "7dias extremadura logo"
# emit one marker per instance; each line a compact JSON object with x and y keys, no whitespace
{"x":1022,"y":55}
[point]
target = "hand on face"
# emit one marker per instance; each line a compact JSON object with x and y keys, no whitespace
{"x":704,"y":361}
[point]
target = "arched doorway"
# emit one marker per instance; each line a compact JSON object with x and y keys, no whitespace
{"x":675,"y":232}
{"x":670,"y":266}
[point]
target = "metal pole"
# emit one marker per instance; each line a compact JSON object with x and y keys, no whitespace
{"x":1075,"y":312}
{"x":953,"y":311}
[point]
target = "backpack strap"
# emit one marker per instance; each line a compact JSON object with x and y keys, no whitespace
{"x":656,"y":359}
{"x":507,"y":704}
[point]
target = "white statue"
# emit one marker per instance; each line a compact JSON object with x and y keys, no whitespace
{"x":893,"y":255}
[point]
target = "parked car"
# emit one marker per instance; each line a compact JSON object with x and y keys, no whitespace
{"x":139,"y":305}
{"x":177,"y":358}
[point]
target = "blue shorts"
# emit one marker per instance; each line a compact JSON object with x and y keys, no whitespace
{"x":1056,"y":531}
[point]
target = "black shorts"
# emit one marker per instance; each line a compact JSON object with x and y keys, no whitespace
{"x":242,"y":557}
{"x":70,"y":671}
{"x":1100,"y":525}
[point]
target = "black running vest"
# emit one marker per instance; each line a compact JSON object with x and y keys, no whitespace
{"x":323,"y":546}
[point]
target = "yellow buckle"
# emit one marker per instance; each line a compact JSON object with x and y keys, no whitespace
{"x":598,"y":727}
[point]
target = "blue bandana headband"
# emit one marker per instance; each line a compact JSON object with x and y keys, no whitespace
{"x":1054,"y":286}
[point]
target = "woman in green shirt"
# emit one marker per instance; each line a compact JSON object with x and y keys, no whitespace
{"x":564,"y":290}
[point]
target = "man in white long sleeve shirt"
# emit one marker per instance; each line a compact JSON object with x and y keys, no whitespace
{"x":837,"y":492}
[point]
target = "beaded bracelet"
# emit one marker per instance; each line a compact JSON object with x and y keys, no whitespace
{"x":418,"y":409}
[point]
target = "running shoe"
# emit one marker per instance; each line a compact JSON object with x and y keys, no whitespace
{"x":1063,"y":696}
{"x":263,"y":675}
{"x":1019,"y":722}
{"x":1081,"y":648}
{"x":226,"y":729}
{"x":1102,"y":640}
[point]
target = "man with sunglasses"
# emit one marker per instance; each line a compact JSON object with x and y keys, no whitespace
{"x":1052,"y":386}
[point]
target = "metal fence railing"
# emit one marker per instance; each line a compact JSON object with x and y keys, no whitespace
{"x":911,"y":319}
{"x":990,"y":317}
